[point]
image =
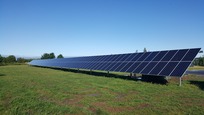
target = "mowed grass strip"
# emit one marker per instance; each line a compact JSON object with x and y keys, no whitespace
{"x":33,"y":90}
{"x":196,"y":68}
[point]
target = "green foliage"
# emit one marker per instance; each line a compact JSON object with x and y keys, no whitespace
{"x":199,"y":61}
{"x":21,"y":60}
{"x":60,"y":56}
{"x":45,"y":56}
{"x":52,"y":55}
{"x":1,"y":59}
{"x":48,"y":56}
{"x":11,"y":59}
{"x":33,"y":90}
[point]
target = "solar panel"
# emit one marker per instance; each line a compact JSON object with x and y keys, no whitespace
{"x":160,"y":63}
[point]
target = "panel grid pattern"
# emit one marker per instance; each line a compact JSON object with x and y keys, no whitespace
{"x":160,"y":63}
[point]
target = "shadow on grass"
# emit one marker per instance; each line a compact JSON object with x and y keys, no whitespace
{"x":2,"y":74}
{"x":199,"y":84}
{"x":145,"y":78}
{"x":155,"y":79}
{"x":96,"y":73}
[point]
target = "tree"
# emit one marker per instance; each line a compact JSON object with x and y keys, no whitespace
{"x":145,"y":50}
{"x":11,"y":59}
{"x":60,"y":56}
{"x":200,"y":61}
{"x":48,"y":56}
{"x":4,"y":60}
{"x":203,"y":61}
{"x":1,"y":59}
{"x":195,"y":62}
{"x":21,"y":60}
{"x":45,"y":56}
{"x":52,"y":55}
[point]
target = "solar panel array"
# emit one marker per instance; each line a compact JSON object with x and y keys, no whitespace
{"x":159,"y":63}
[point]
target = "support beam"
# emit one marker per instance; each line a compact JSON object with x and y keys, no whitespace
{"x":180,"y":81}
{"x":135,"y":75}
{"x":107,"y":73}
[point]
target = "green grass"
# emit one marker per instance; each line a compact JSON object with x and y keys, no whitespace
{"x":32,"y":90}
{"x":196,"y":68}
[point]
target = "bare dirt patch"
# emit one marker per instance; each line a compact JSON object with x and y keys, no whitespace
{"x":73,"y":101}
{"x":111,"y":109}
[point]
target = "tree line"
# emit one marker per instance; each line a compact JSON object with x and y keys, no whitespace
{"x":199,"y":61}
{"x":12,"y":59}
{"x":50,"y":56}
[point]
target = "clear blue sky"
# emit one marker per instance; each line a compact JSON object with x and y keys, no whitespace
{"x":96,"y":27}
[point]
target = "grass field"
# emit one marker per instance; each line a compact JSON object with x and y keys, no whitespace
{"x":196,"y":68}
{"x":32,"y":90}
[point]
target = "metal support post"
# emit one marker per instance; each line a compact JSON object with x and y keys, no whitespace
{"x":135,"y":75}
{"x":180,"y":81}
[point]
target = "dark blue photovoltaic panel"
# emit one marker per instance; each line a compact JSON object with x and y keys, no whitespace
{"x":113,"y":58}
{"x":137,"y":56}
{"x":117,"y":63}
{"x":133,"y":66}
{"x":169,"y":55}
{"x":161,"y":63}
{"x":168,"y":69}
{"x":179,"y":55}
{"x":101,"y":62}
{"x":105,"y":58}
{"x":140,"y":67}
{"x":149,"y":67}
{"x":110,"y":65}
{"x":115,"y":66}
{"x":144,"y":56}
{"x":158,"y":68}
{"x":160,"y":56}
{"x":126,"y":57}
{"x":151,"y":56}
{"x":103,"y":66}
{"x":126,"y":67}
{"x":97,"y":62}
{"x":120,"y":66}
{"x":113,"y":63}
{"x":191,"y":54}
{"x":120,"y":57}
{"x":180,"y":69}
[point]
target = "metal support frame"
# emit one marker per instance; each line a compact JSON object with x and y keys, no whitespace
{"x":135,"y":75}
{"x":180,"y":81}
{"x":90,"y":71}
{"x":108,"y":73}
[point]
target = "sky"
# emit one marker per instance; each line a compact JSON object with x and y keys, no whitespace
{"x":30,"y":28}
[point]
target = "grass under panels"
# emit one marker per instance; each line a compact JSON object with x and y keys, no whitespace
{"x":32,"y":90}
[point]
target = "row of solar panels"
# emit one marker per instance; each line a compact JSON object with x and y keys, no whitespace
{"x":161,"y":63}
